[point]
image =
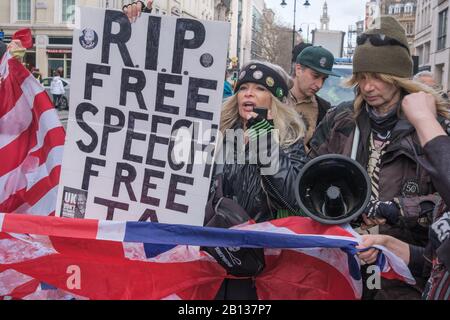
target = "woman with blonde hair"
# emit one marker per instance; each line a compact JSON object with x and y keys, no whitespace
{"x":374,"y":130}
{"x":261,"y":154}
{"x":259,"y":114}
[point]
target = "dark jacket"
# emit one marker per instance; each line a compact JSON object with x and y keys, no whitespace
{"x":401,"y":175}
{"x":260,"y":195}
{"x":437,"y":154}
{"x":402,"y":178}
{"x":263,"y":195}
{"x":2,"y":49}
{"x":324,"y":106}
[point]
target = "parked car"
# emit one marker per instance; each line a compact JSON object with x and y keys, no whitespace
{"x":333,"y":89}
{"x":64,"y":101}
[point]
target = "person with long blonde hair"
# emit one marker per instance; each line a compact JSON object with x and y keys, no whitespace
{"x":261,"y":86}
{"x":258,"y":121}
{"x":375,"y":131}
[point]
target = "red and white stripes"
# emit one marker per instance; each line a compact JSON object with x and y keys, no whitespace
{"x":31,"y":143}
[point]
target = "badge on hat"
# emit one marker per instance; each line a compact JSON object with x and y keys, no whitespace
{"x":323,"y":62}
{"x":270,"y":82}
{"x":257,"y":75}
{"x":279,"y":92}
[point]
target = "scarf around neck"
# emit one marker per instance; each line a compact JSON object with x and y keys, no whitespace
{"x":382,"y":125}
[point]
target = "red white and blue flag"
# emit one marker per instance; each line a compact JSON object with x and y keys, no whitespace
{"x":144,"y":260}
{"x":31,"y":142}
{"x":45,"y":257}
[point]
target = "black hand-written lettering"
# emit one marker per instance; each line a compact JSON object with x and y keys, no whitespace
{"x":149,"y":214}
{"x":173,"y":190}
{"x":146,"y":185}
{"x":154,"y":139}
{"x":120,"y":38}
{"x":159,"y":119}
{"x":195,"y":147}
{"x":110,"y":127}
{"x":210,"y":151}
{"x":125,"y":179}
{"x":136,"y":87}
{"x":88,"y":171}
{"x":112,"y":205}
{"x":176,"y":126}
{"x":132,"y":135}
{"x":153,"y":34}
{"x":90,"y":81}
{"x":181,"y":43}
{"x":194,"y":98}
{"x":162,"y":92}
{"x":79,"y":111}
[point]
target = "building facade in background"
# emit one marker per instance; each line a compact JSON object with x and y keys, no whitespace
{"x":404,"y":12}
{"x":440,"y":46}
{"x":245,"y":23}
{"x":52,"y":24}
{"x":422,"y":39}
{"x":332,"y":40}
{"x":431,"y":41}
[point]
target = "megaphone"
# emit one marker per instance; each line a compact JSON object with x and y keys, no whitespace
{"x":333,"y":189}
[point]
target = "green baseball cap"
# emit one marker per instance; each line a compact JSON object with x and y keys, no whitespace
{"x":317,"y":58}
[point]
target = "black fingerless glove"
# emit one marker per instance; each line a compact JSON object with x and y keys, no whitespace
{"x":388,"y":210}
{"x":259,"y":127}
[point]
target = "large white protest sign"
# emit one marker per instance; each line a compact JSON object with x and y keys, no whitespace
{"x":144,"y":111}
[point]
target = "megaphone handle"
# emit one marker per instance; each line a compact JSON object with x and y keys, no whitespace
{"x":355,"y":142}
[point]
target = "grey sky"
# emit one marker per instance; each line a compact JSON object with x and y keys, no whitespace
{"x":342,"y":13}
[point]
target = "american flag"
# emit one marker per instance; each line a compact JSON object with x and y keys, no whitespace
{"x":39,"y":257}
{"x":31,"y":142}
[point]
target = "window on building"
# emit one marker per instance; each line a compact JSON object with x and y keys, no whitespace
{"x":61,"y":59}
{"x":398,"y":9}
{"x":68,"y":11}
{"x":391,"y":9}
{"x":410,"y":28}
{"x":24,"y":10}
{"x":409,"y":8}
{"x":426,"y":53}
{"x":442,"y":31}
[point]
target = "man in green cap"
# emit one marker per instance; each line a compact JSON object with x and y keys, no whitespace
{"x":313,"y":66}
{"x":373,"y":129}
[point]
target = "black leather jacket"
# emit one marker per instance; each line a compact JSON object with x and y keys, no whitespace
{"x":263,"y":195}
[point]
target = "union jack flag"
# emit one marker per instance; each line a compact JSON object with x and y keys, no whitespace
{"x":145,"y":260}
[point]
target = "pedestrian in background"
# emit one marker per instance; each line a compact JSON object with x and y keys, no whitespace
{"x":57,"y":88}
{"x":313,"y":66}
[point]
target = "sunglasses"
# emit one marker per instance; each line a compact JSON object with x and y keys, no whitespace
{"x":379,"y":40}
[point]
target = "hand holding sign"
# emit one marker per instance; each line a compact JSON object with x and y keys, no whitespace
{"x":134,"y":9}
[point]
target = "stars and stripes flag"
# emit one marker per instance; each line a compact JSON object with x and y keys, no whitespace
{"x":31,"y":142}
{"x":46,"y":257}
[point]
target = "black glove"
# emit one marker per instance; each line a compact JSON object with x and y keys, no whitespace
{"x":388,"y":210}
{"x":258,"y":127}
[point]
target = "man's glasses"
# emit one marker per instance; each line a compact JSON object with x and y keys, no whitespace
{"x":379,"y":40}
